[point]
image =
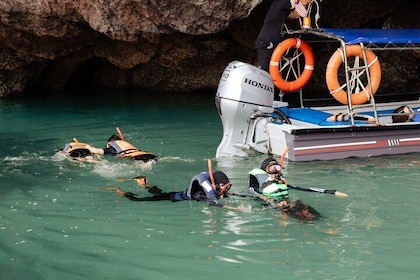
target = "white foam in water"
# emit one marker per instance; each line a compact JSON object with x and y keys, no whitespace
{"x":123,"y":168}
{"x":59,"y":156}
{"x":246,"y":208}
{"x":174,"y":159}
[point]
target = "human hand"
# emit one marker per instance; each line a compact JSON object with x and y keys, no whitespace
{"x":293,"y":15}
{"x":340,"y":194}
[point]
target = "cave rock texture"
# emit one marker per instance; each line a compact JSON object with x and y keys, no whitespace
{"x":159,"y":45}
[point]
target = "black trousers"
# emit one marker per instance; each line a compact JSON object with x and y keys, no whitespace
{"x":264,"y":54}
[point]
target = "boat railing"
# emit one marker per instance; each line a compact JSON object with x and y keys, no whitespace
{"x":369,"y":39}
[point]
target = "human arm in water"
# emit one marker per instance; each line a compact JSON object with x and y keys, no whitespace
{"x":101,"y":151}
{"x":200,"y":196}
{"x":93,"y":150}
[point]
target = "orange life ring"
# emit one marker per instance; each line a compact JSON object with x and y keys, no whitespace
{"x":280,"y":50}
{"x":332,"y":75}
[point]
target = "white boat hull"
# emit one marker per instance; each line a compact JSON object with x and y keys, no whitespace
{"x":250,"y":124}
{"x":307,"y":144}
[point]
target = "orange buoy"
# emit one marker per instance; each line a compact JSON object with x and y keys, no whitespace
{"x":279,"y":51}
{"x":333,"y":84}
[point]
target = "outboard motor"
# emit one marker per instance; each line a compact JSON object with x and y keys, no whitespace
{"x":244,"y":91}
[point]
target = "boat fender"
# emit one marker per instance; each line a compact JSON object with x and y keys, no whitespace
{"x":333,"y":83}
{"x":275,"y":72}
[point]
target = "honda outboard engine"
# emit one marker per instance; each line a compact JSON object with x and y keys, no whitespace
{"x":244,"y":92}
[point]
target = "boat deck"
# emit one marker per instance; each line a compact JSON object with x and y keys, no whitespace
{"x":318,"y":117}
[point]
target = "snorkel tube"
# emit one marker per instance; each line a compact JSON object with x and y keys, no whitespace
{"x":213,"y":184}
{"x":120,"y":133}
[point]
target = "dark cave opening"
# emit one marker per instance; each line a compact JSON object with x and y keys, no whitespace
{"x":82,"y":77}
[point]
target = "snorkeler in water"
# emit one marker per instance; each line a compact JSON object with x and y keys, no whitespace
{"x":118,"y":147}
{"x":205,"y":186}
{"x":78,"y":151}
{"x":269,"y":184}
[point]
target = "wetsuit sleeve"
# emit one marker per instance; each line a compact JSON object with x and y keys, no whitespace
{"x":178,"y":196}
{"x":214,"y":202}
{"x":131,"y":196}
{"x":158,"y":197}
{"x":154,"y":189}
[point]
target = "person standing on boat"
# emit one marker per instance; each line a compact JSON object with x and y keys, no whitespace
{"x":270,"y":34}
{"x":203,"y":187}
{"x":118,"y":147}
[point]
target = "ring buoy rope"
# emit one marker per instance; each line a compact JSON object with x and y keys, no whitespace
{"x":275,"y":72}
{"x":332,"y":75}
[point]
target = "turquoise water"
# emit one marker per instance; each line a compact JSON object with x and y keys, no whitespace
{"x":55,"y":223}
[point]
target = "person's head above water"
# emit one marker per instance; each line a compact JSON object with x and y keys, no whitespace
{"x":271,"y":166}
{"x":222,"y":182}
{"x":114,"y":138}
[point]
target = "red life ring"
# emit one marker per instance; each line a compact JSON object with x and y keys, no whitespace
{"x":280,"y":50}
{"x":333,"y":84}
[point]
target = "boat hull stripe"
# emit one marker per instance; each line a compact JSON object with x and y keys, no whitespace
{"x":343,"y":147}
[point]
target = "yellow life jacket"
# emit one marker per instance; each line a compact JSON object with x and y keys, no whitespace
{"x":76,"y":149}
{"x":126,"y":150}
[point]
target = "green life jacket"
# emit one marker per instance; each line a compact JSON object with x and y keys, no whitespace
{"x":266,"y":185}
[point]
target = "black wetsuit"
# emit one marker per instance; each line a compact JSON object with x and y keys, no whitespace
{"x":270,"y":33}
{"x":171,"y":196}
{"x":199,"y":189}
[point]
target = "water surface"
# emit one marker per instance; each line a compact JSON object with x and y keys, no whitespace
{"x":55,"y":223}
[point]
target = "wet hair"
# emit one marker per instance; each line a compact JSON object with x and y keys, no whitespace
{"x":267,"y":162}
{"x":301,"y":211}
{"x":114,"y":138}
{"x":220,"y":177}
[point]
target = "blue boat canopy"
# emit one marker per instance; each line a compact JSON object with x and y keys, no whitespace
{"x":377,"y":36}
